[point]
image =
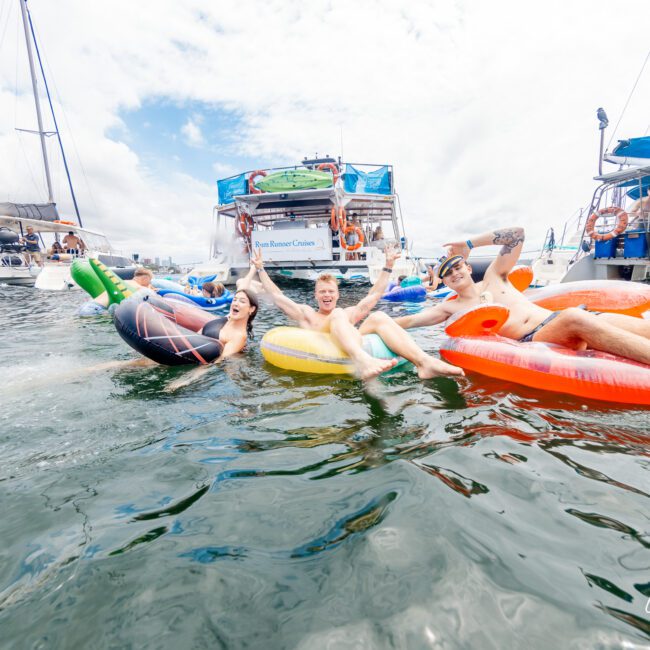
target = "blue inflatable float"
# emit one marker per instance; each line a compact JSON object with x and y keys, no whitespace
{"x":176,"y":290}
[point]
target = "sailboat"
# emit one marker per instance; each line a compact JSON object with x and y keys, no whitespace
{"x":16,"y":266}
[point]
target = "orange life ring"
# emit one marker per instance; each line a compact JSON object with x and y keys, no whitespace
{"x":245,"y":225}
{"x":347,"y":229}
{"x":337,"y":222}
{"x":251,"y":181}
{"x":67,"y":223}
{"x":621,"y":223}
{"x":333,"y":168}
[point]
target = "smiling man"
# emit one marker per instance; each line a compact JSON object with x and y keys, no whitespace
{"x":340,"y":323}
{"x":574,"y":328}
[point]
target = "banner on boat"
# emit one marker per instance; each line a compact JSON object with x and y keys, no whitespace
{"x":296,"y":244}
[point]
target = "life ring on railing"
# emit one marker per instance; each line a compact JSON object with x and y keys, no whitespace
{"x":348,"y":229}
{"x":245,"y":225}
{"x":333,"y":168}
{"x":251,"y":181}
{"x":622,"y":219}
{"x":67,"y":223}
{"x":337,"y":221}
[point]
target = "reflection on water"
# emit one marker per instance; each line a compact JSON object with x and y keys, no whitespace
{"x":260,"y":508}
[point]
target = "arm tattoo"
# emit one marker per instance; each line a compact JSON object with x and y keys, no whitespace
{"x":509,"y":238}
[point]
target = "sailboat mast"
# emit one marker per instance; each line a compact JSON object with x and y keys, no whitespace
{"x":41,"y":133}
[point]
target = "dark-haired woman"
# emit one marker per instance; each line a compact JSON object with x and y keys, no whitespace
{"x":233,"y":332}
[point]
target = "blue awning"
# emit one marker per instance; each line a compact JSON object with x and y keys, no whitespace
{"x":639,"y":186}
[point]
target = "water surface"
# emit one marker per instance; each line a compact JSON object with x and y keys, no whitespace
{"x":265,"y":509}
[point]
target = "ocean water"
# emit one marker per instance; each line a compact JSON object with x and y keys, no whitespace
{"x":265,"y":509}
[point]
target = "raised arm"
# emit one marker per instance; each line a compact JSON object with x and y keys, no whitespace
{"x":245,"y":282}
{"x":364,"y":307}
{"x":511,"y":241}
{"x":292,"y":309}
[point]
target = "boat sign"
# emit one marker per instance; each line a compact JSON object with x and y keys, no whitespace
{"x":295,"y":244}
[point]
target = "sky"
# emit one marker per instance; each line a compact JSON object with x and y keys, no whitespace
{"x":486,"y":110}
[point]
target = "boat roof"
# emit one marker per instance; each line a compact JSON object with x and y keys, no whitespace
{"x":631,"y":173}
{"x":38,"y":225}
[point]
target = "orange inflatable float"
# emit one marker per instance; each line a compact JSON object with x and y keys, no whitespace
{"x":616,"y":296}
{"x":474,"y":345}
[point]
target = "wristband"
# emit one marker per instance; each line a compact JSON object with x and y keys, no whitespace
{"x":387,"y":269}
{"x":469,"y":244}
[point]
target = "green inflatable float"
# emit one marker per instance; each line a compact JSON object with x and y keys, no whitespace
{"x":114,"y":285}
{"x":84,"y":275}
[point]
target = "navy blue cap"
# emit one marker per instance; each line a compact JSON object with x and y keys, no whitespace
{"x":447,"y":264}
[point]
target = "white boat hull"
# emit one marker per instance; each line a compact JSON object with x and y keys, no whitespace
{"x":55,"y":277}
{"x":19,"y":276}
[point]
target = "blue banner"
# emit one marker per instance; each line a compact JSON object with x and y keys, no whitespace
{"x":357,"y":182}
{"x":231,"y":187}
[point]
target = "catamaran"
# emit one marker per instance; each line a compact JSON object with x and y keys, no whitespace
{"x":322,"y":215}
{"x":16,"y":266}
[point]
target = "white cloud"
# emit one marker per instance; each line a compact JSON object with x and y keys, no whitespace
{"x":487,"y":110}
{"x":192,"y":132}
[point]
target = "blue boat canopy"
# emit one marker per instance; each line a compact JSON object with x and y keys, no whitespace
{"x":639,"y":186}
{"x":229,"y":188}
{"x":633,"y":148}
{"x":357,"y":182}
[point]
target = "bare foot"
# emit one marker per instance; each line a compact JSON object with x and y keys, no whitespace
{"x":432,"y":367}
{"x":369,"y":367}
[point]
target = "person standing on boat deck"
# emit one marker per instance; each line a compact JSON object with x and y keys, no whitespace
{"x":340,"y":323}
{"x":33,"y":248}
{"x":72,"y":243}
{"x":625,"y":336}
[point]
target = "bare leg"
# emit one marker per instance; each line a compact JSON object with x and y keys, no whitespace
{"x":400,"y":342}
{"x":348,"y":337}
{"x":640,"y":326}
{"x":573,"y":327}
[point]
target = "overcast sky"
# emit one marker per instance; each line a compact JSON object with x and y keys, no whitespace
{"x":485,"y":108}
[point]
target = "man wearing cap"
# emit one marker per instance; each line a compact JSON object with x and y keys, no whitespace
{"x":574,"y":328}
{"x":33,"y":248}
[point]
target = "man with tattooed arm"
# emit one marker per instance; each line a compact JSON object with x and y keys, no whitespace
{"x":575,"y":328}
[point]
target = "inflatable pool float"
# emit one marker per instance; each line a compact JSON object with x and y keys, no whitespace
{"x":413,"y":293}
{"x":83,"y":274}
{"x":113,"y":284}
{"x":208,"y":304}
{"x":443,"y":292}
{"x":410,"y":289}
{"x":294,"y":179}
{"x":167,"y":331}
{"x":294,"y":348}
{"x":474,"y":345}
{"x":615,"y":296}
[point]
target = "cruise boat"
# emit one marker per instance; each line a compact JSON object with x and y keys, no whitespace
{"x":609,"y":239}
{"x":322,"y":215}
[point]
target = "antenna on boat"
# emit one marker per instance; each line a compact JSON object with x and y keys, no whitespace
{"x":41,"y":133}
{"x":604,"y":122}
